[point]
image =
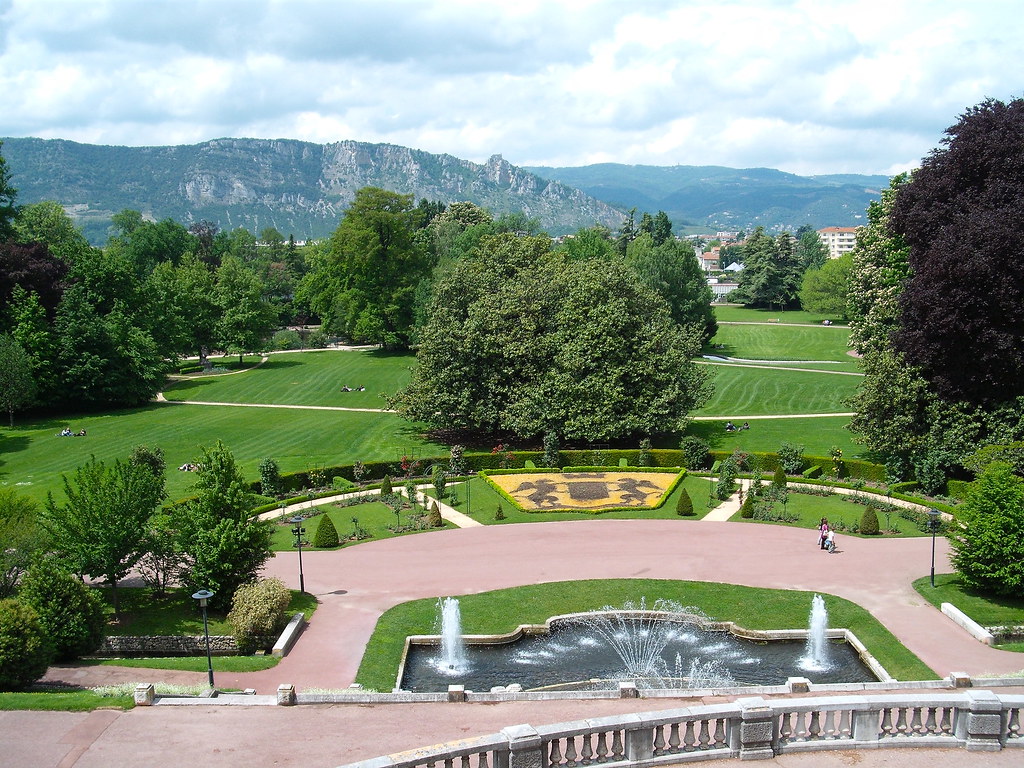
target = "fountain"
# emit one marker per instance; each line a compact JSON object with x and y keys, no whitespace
{"x":664,"y":646}
{"x":453,"y":649}
{"x":816,"y":651}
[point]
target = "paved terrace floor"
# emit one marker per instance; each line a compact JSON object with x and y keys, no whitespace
{"x":355,"y":585}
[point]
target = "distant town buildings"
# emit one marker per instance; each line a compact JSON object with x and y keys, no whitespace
{"x":838,"y":240}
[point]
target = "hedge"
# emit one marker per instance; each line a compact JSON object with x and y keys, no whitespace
{"x":957,"y":488}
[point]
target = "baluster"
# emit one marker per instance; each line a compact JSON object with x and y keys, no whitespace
{"x":449,"y":763}
{"x":901,"y":723}
{"x":464,"y":761}
{"x":588,"y":751}
{"x":916,"y":725}
{"x":617,"y":751}
{"x":785,"y":726}
{"x":814,"y":728}
{"x":845,"y":725}
{"x":602,"y":746}
{"x":1013,"y":724}
{"x":555,"y":757}
{"x":828,"y":725}
{"x":721,"y":740}
{"x":689,"y":737}
{"x":673,"y":738}
{"x":659,"y":740}
{"x":482,"y":761}
{"x":705,"y":736}
{"x":570,"y":751}
{"x":887,"y":722}
{"x":800,"y":726}
{"x":929,"y":723}
{"x":946,"y":725}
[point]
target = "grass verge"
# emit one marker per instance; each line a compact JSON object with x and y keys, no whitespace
{"x":63,"y":701}
{"x":503,"y":610}
{"x":988,"y":610}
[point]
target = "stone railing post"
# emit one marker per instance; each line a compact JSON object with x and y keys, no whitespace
{"x":286,"y":695}
{"x":144,"y":694}
{"x":865,"y":726}
{"x":525,"y":748}
{"x":639,"y":743}
{"x":757,"y":729}
{"x":979,"y":724}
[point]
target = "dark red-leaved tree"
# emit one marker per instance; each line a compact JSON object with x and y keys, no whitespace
{"x":35,"y":269}
{"x":962,"y":214}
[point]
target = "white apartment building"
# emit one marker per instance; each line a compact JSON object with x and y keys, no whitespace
{"x":838,"y":240}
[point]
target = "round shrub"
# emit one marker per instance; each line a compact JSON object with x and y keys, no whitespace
{"x":270,"y":477}
{"x":286,"y":339}
{"x":70,"y":612}
{"x":869,"y":522}
{"x":25,"y":648}
{"x":684,"y":505}
{"x":326,"y":534}
{"x":317,"y":339}
{"x":258,"y":613}
{"x":792,"y":458}
{"x":696,"y":452}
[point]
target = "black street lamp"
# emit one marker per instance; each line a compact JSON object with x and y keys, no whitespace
{"x":933,"y":524}
{"x":711,"y":492}
{"x":298,"y":532}
{"x":202,"y":596}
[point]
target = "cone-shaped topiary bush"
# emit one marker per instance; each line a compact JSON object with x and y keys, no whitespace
{"x":869,"y":522}
{"x":434,"y":519}
{"x":779,"y":477}
{"x":499,"y":513}
{"x":684,"y":505}
{"x":326,"y":535}
{"x":747,"y":508}
{"x":385,"y":486}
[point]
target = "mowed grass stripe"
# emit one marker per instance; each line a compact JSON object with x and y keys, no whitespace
{"x":33,"y":457}
{"x":306,"y":378}
{"x":763,"y":392}
{"x":773,"y":342}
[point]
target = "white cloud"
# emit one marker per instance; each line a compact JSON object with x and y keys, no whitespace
{"x":813,"y":86}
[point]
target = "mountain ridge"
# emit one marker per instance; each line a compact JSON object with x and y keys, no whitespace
{"x":297,"y":187}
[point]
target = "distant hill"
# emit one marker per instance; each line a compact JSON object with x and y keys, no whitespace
{"x":726,"y":198}
{"x":297,"y":187}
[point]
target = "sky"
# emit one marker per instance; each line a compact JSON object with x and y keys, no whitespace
{"x":815,"y":87}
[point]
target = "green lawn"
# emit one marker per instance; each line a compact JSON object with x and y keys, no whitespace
{"x":503,"y":610}
{"x":743,"y":391}
{"x":841,"y":513}
{"x":826,"y":346}
{"x":987,"y":610}
{"x":817,"y":435}
{"x":374,"y":517}
{"x":306,"y":378}
{"x":63,"y":701}
{"x":196,"y":663}
{"x":177,"y":613}
{"x":33,"y":458}
{"x":740,"y":314}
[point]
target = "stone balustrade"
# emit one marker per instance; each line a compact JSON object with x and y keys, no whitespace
{"x":749,"y":729}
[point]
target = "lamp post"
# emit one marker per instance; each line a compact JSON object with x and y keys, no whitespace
{"x":711,"y":491}
{"x":933,"y":523}
{"x":297,"y":532}
{"x":202,"y":596}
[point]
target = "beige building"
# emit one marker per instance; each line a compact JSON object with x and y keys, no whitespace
{"x":838,"y":240}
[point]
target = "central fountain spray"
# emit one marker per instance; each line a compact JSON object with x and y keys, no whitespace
{"x":453,"y":649}
{"x":816,"y":654}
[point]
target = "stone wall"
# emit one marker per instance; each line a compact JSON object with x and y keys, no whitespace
{"x":129,"y":646}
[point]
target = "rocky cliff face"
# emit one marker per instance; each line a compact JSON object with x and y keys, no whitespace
{"x":298,"y":187}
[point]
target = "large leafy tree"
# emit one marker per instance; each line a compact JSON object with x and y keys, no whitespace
{"x":826,"y":289}
{"x":366,"y":287}
{"x":961,"y":217}
{"x":672,"y":271}
{"x":246,"y":319}
{"x":222,"y":546}
{"x":21,"y":537}
{"x":988,"y":540}
{"x":8,"y":195}
{"x":17,"y":384}
{"x":46,"y":222}
{"x":771,"y":272}
{"x":518,"y":341}
{"x":100,"y":530}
